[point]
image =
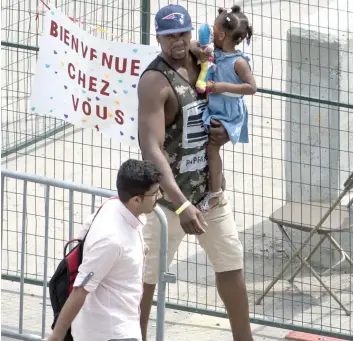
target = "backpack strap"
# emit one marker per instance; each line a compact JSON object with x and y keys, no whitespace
{"x":81,"y":241}
{"x":112,"y":198}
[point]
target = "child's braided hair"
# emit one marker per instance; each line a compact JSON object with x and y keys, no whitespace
{"x":236,"y":23}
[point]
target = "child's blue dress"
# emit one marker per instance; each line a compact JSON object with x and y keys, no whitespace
{"x":229,"y":109}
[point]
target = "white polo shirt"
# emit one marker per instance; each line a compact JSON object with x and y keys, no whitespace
{"x":113,"y":254}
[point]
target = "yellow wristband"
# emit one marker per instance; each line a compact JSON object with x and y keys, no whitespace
{"x":182,"y":207}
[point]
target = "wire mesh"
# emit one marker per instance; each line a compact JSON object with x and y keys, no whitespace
{"x":26,"y":234}
{"x":300,"y":148}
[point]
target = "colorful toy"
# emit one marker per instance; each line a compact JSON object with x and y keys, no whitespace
{"x":204,"y":81}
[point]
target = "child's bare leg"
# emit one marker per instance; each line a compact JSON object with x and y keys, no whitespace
{"x":215,"y":167}
{"x":215,"y":196}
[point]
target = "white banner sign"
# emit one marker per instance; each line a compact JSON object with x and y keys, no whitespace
{"x":88,"y":81}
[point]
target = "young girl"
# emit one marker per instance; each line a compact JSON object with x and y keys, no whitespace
{"x":232,"y":80}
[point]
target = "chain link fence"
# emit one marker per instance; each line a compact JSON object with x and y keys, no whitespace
{"x":301,"y":142}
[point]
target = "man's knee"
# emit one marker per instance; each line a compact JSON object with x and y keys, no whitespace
{"x":231,"y":276}
{"x":231,"y":273}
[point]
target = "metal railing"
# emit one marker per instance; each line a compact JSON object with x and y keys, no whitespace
{"x":50,"y":185}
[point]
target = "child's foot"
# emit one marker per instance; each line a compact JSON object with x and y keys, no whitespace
{"x":212,"y":200}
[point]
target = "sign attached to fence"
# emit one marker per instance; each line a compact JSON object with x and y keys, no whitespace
{"x":87,"y":81}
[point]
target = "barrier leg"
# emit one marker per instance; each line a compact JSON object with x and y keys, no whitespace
{"x":164,"y":277}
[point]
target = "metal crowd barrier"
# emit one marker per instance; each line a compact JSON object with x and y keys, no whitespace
{"x":164,"y":277}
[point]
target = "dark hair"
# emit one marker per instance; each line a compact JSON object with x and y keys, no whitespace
{"x":136,"y":177}
{"x":236,"y":23}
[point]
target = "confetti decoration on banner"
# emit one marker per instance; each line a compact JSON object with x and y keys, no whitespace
{"x":101,"y":30}
{"x":77,"y":20}
{"x":92,"y":85}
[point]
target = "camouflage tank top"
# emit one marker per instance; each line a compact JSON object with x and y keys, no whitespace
{"x":185,"y":139}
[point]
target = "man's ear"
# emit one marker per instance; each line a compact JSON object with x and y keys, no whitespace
{"x":135,"y":200}
{"x":158,"y":40}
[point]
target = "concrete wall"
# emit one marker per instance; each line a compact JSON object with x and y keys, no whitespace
{"x":312,"y":130}
{"x":317,"y":142}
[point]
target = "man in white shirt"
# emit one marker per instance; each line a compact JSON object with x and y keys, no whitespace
{"x":104,"y":304}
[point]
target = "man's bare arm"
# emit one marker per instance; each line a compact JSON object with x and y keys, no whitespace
{"x":153,"y":92}
{"x":68,"y":313}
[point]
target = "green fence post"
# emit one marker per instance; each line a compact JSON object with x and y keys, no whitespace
{"x":145,"y":22}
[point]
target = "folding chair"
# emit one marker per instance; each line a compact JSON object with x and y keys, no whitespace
{"x":303,"y":217}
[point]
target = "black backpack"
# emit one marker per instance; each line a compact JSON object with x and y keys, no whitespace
{"x":61,"y":284}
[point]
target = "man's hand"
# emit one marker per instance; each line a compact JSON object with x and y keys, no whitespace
{"x":200,"y":53}
{"x":218,"y":134}
{"x":191,"y":221}
{"x":217,"y":88}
